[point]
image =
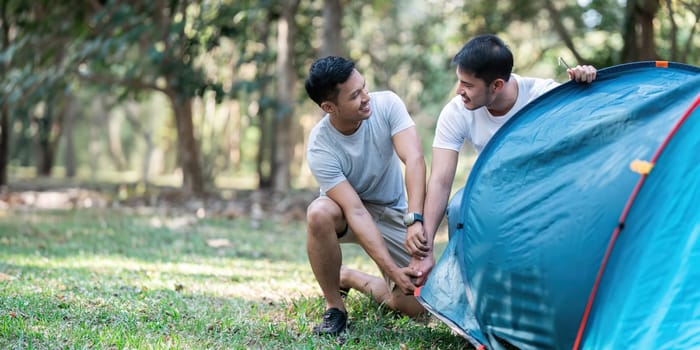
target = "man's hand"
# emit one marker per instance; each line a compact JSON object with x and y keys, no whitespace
{"x":582,"y":74}
{"x":424,"y":265}
{"x":416,"y":243}
{"x":403,"y":279}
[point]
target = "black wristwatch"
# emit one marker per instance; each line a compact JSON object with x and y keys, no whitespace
{"x":411,"y":218}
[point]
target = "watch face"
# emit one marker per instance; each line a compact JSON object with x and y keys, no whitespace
{"x":408,"y":219}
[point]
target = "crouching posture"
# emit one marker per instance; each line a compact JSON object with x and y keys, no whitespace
{"x":355,"y":153}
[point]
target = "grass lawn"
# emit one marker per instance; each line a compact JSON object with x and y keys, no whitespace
{"x":128,"y":279}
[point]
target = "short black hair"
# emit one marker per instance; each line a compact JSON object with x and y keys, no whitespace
{"x":324,"y":76}
{"x":487,"y":57}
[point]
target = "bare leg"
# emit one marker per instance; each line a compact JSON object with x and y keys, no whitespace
{"x":324,"y":217}
{"x":365,"y":283}
{"x":378,"y":289}
{"x":406,"y":304}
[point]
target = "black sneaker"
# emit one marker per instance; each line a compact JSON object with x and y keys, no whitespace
{"x":334,"y":322}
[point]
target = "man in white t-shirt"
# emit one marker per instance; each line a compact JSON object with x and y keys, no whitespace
{"x":488,"y":94}
{"x":356,"y":153}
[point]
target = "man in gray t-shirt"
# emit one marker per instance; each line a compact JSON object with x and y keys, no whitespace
{"x":356,"y":153}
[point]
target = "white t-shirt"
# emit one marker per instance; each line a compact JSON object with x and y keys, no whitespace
{"x":366,"y":158}
{"x":456,"y":124}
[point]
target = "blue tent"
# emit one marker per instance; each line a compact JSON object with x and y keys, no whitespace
{"x":555,"y":243}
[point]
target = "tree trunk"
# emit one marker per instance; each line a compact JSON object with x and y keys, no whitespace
{"x":4,"y":143}
{"x":187,"y":149}
{"x":332,"y":24}
{"x":266,"y":144}
{"x":235,"y":131}
{"x":286,"y":35}
{"x":674,"y":31}
{"x":331,"y":45}
{"x":68,"y":123}
{"x":4,"y":111}
{"x":263,"y":116}
{"x":44,"y":153}
{"x":638,"y":31}
{"x":131,"y":112}
{"x":50,"y":131}
{"x":114,"y":141}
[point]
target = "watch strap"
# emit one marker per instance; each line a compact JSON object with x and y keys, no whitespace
{"x":418,"y":217}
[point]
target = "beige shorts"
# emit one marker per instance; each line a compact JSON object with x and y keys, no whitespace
{"x":390,"y":224}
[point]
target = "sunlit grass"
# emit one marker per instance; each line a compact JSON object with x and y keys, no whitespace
{"x":114,"y":280}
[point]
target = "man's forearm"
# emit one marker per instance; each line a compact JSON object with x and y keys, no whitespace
{"x":415,"y":183}
{"x":434,"y":210}
{"x":370,"y":239}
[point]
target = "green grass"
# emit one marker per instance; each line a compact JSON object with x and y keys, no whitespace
{"x":106,"y":279}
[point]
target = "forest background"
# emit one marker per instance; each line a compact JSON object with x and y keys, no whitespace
{"x":194,"y":99}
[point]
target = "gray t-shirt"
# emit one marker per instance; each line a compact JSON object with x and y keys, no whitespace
{"x":366,"y":158}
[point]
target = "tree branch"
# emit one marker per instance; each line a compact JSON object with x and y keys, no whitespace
{"x":27,"y":92}
{"x":111,"y":80}
{"x":562,"y":32}
{"x":689,"y":41}
{"x":674,"y":31}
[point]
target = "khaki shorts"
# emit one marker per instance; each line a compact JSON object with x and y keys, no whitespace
{"x":390,"y":224}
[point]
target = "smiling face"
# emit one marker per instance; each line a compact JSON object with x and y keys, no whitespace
{"x":353,"y":98}
{"x":352,"y":104}
{"x":474,"y":91}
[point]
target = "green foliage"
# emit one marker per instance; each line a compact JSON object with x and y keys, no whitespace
{"x":138,"y":44}
{"x":99,"y":279}
{"x":227,"y":49}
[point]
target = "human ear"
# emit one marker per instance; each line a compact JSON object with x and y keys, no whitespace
{"x":328,"y":107}
{"x":498,"y":85}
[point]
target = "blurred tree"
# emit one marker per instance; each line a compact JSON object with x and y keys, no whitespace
{"x":131,"y":113}
{"x":598,"y":32}
{"x":271,"y":35}
{"x":154,"y":46}
{"x":407,"y":49}
{"x":68,"y":125}
{"x":5,"y":26}
{"x":47,"y":118}
{"x":681,"y":23}
{"x":638,"y":30}
{"x":253,"y":73}
{"x":36,"y":37}
{"x":132,"y":48}
{"x":332,"y":39}
{"x":286,"y":96}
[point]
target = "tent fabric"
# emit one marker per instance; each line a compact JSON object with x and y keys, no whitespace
{"x":446,"y":289}
{"x":531,"y":227}
{"x":650,"y":292}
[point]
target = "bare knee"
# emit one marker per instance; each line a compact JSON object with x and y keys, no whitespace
{"x":323,"y":215}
